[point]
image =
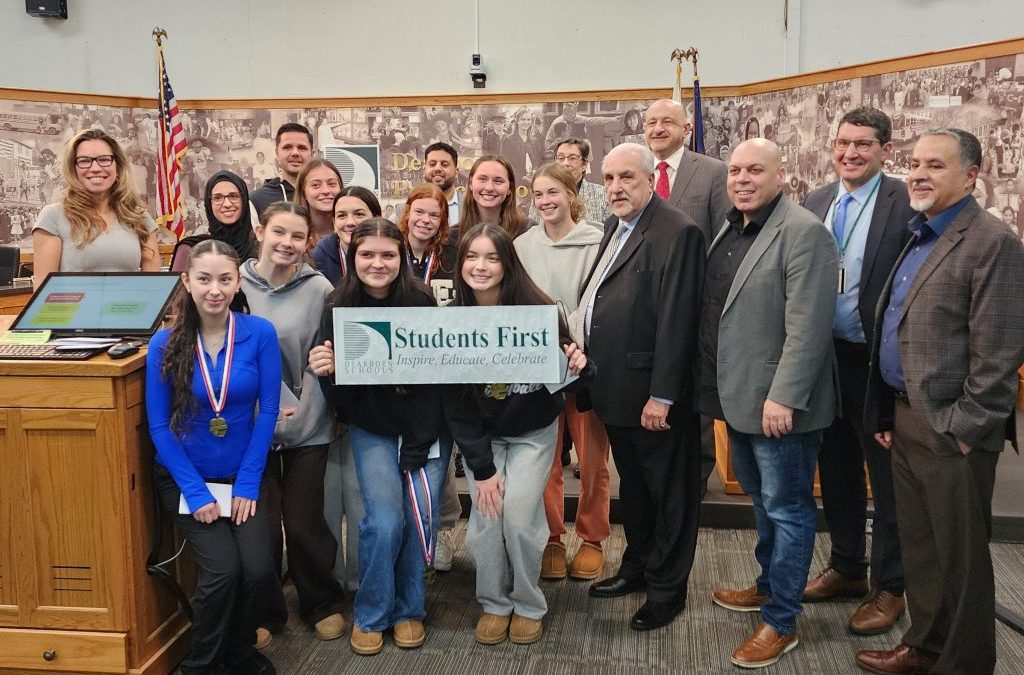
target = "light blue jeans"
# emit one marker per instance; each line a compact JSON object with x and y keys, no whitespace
{"x":778,"y":475}
{"x":391,"y":565}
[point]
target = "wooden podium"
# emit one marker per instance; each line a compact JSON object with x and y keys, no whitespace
{"x":76,"y":523}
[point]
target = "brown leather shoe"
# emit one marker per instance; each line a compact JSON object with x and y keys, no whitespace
{"x":746,"y":600}
{"x":492,"y":629}
{"x":763,"y":648}
{"x":523,"y":631}
{"x":552,"y":565}
{"x":588,"y":562}
{"x":409,"y":634}
{"x":831,"y":584}
{"x":877,"y":614}
{"x":366,"y":643}
{"x":903,"y":659}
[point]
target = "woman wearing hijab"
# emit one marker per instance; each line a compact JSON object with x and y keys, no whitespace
{"x":226,"y":199}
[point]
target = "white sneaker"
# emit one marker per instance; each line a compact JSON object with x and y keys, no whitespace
{"x":444,"y":552}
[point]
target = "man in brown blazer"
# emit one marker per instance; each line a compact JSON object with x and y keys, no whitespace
{"x":941,"y":396}
{"x":694,"y":184}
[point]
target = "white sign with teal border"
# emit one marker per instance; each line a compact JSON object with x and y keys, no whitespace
{"x":425,"y":345}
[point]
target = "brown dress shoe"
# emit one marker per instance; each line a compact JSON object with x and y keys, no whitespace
{"x":831,"y":584}
{"x":877,"y":614}
{"x":409,"y":634}
{"x":763,"y":648}
{"x":523,"y":631}
{"x":903,"y":659}
{"x":746,"y":600}
{"x":366,"y":643}
{"x":552,"y":565}
{"x":588,"y":562}
{"x":492,"y":629}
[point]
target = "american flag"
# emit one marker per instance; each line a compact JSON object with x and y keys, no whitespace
{"x":172,"y":148}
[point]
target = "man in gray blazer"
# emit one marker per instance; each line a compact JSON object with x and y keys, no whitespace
{"x":767,"y":367}
{"x":941,"y":394}
{"x":694,"y":184}
{"x":867,"y":213}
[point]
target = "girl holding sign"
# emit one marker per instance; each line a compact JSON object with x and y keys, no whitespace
{"x":204,"y":378}
{"x":507,"y":436}
{"x":279,"y":287}
{"x":400,"y":455}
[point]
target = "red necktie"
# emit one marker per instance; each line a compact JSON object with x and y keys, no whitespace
{"x":661,"y":187}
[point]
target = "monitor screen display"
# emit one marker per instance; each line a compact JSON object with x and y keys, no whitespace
{"x":110,"y":303}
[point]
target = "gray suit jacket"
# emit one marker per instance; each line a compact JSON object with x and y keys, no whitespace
{"x":961,"y":336}
{"x":699,"y":191}
{"x":775,"y":336}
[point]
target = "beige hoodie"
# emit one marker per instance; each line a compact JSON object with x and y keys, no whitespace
{"x":559,"y":268}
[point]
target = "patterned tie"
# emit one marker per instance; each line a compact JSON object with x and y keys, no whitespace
{"x":579,"y":327}
{"x":661,"y":187}
{"x":839,"y":224}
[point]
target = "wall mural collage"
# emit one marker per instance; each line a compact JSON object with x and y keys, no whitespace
{"x":984,"y":96}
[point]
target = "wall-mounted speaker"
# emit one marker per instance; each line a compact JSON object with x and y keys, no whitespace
{"x":47,"y":9}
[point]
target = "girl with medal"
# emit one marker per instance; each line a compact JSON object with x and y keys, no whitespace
{"x":507,"y":435}
{"x":352,"y":206}
{"x":424,"y":223}
{"x":280,"y":287}
{"x":205,"y":376}
{"x":400,"y":455}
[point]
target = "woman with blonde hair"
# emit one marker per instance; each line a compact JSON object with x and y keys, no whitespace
{"x":317,"y":185}
{"x":101,"y":224}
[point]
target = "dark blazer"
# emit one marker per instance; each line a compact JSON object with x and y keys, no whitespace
{"x":887,"y":236}
{"x":698,"y":190}
{"x":775,"y":335}
{"x":643,"y":333}
{"x":961,"y":336}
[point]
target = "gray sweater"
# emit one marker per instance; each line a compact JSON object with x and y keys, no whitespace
{"x":294,"y":308}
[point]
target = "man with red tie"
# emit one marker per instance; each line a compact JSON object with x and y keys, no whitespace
{"x":694,"y":184}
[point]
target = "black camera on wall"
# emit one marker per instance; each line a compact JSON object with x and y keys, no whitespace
{"x":476,"y":72}
{"x":47,"y":9}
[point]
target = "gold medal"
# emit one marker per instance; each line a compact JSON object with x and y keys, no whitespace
{"x":497,"y":391}
{"x":219,"y":427}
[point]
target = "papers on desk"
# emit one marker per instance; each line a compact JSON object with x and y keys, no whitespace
{"x":74,"y":343}
{"x":221,"y":493}
{"x":25,"y":337}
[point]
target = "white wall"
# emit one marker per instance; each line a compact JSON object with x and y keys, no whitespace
{"x":319,"y":48}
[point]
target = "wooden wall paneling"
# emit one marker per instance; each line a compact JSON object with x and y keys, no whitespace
{"x":11,"y":499}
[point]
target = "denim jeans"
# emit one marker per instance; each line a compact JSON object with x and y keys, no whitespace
{"x":778,"y":475}
{"x":391,"y":562}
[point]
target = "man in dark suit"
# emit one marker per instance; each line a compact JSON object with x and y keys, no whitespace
{"x":941,"y":394}
{"x":694,"y":184}
{"x":638,"y":321}
{"x":767,"y":368}
{"x":867,"y":213}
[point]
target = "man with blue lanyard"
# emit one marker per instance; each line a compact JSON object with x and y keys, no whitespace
{"x":867,"y":213}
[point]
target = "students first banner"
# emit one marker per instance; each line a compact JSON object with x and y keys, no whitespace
{"x":427,"y":345}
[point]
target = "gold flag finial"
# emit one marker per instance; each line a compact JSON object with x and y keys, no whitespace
{"x":159,"y":34}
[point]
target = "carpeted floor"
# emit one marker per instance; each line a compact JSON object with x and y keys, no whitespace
{"x":592,"y":637}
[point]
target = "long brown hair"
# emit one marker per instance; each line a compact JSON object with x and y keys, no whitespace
{"x":428,"y":191}
{"x":350,"y":291}
{"x":510,"y":220}
{"x":80,"y":205}
{"x":180,"y":353}
{"x":300,"y":181}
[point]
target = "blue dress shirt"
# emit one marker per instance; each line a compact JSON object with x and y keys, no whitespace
{"x":926,"y":233}
{"x":846,"y":323}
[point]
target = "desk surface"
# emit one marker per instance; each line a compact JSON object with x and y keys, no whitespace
{"x":100,"y":365}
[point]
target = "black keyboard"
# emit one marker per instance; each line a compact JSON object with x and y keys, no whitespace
{"x":44,"y":352}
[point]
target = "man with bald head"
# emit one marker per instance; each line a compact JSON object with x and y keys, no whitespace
{"x":694,"y":184}
{"x":767,"y":367}
{"x":647,"y":276}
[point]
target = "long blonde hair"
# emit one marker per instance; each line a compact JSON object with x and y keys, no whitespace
{"x":80,"y":206}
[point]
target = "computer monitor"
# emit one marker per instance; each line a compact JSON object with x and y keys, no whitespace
{"x":114,"y":304}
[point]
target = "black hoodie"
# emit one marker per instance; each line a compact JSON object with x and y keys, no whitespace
{"x":272,"y":190}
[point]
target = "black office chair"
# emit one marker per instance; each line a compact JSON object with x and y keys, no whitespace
{"x":10,"y":262}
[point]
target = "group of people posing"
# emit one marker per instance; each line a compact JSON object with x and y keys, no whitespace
{"x":879,"y":322}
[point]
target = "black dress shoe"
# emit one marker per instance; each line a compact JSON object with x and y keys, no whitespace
{"x":250,"y":662}
{"x":655,"y":615}
{"x":614,"y":587}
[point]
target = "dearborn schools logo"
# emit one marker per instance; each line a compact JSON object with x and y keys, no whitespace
{"x":367,"y":340}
